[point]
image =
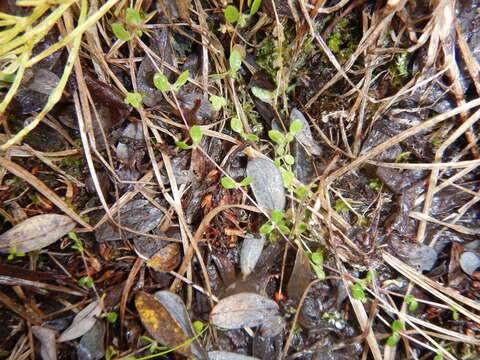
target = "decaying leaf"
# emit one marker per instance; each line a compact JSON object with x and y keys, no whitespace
{"x":91,"y":346}
{"x":82,"y":322}
{"x":36,"y":233}
{"x":272,"y":326}
{"x":166,"y":259}
{"x":267,"y":184}
{"x":243,"y":310}
{"x":300,"y":278}
{"x":166,"y":319}
{"x":469,"y":262}
{"x":251,"y":249}
{"x":48,"y":345}
{"x":225,"y":355}
{"x":305,"y":136}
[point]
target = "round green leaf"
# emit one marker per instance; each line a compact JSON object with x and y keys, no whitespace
{"x":397,"y":326}
{"x":250,"y":137}
{"x":182,"y":79}
{"x":217,"y":102}
{"x":262,"y":94}
{"x":276,"y":216}
{"x":228,"y":183}
{"x":266,"y":228}
{"x":276,"y":136}
{"x":120,"y":32}
{"x":161,"y":82}
{"x":235,"y":61}
{"x":236,"y":125}
{"x":196,"y":134}
{"x":183,"y":145}
{"x":296,"y":126}
{"x":134,"y":99}
{"x":289,"y":159}
{"x":231,"y":14}
{"x":246,"y":181}
{"x":393,"y":340}
{"x":133,"y":17}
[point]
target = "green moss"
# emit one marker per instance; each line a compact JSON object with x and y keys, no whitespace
{"x":344,"y":38}
{"x":399,"y":70}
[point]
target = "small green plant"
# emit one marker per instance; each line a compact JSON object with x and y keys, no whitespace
{"x":86,"y":282}
{"x":232,"y":14}
{"x":12,"y":254}
{"x":237,"y":126}
{"x":455,"y":315}
{"x":341,"y":206}
{"x":358,"y":292}
{"x":199,"y":327}
{"x":228,"y":183}
{"x":317,"y":264}
{"x":112,"y":353}
{"x":411,"y":302}
{"x":153,"y":344}
{"x":134,"y":99}
{"x":264,"y":95}
{"x":277,"y":218}
{"x":111,"y":317}
{"x":134,"y":21}
{"x":235,"y":61}
{"x":161,"y":82}
{"x":283,"y":160}
{"x":196,"y":134}
{"x":77,"y":243}
{"x":403,"y":156}
{"x":395,"y":337}
{"x":438,"y":357}
{"x":376,"y":185}
{"x":217,"y":102}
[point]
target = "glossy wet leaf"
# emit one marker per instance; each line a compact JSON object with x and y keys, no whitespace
{"x":243,"y":310}
{"x":35,"y":233}
{"x":166,"y":259}
{"x":165,"y":317}
{"x":276,"y":136}
{"x":267,"y":184}
{"x":82,"y":322}
{"x":91,"y":346}
{"x":251,"y":250}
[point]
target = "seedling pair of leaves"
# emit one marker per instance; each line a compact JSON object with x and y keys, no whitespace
{"x":161,"y":81}
{"x":282,"y":160}
{"x":237,"y":126}
{"x":317,"y":263}
{"x":12,"y":254}
{"x":277,"y":218}
{"x":233,"y":15}
{"x":235,"y":61}
{"x":196,"y":135}
{"x":358,"y":289}
{"x":229,"y":183}
{"x":135,"y":20}
{"x":395,"y":337}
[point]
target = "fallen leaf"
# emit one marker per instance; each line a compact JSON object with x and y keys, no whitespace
{"x":36,"y":233}
{"x":166,"y":319}
{"x":166,"y":259}
{"x":267,"y":184}
{"x":243,"y":310}
{"x":225,"y":355}
{"x":251,"y":250}
{"x":48,"y":346}
{"x":82,"y":322}
{"x":305,"y":136}
{"x":469,"y":262}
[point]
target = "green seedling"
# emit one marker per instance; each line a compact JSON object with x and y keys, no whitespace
{"x":196,"y":134}
{"x":12,"y":254}
{"x":358,"y":292}
{"x":232,"y":14}
{"x":317,"y":264}
{"x":235,"y":62}
{"x":410,"y":300}
{"x":111,"y":317}
{"x":341,"y":206}
{"x":134,"y":99}
{"x":403,"y":156}
{"x":161,"y":82}
{"x":77,"y":243}
{"x":228,"y":183}
{"x":134,"y":20}
{"x":277,"y":218}
{"x":237,"y":126}
{"x":86,"y":282}
{"x":395,"y":337}
{"x":376,"y":185}
{"x":217,"y":102}
{"x":264,"y":95}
